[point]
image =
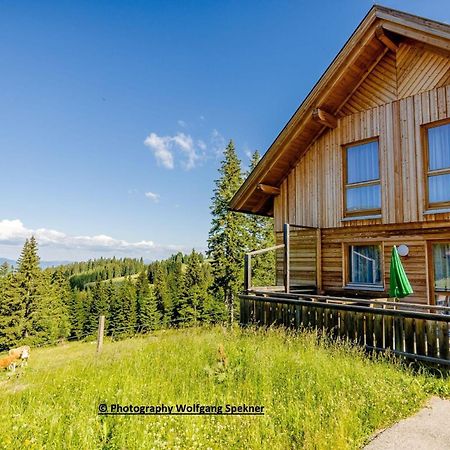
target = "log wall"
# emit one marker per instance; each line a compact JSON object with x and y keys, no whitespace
{"x":312,"y":193}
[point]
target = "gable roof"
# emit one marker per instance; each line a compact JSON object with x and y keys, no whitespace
{"x":380,"y":31}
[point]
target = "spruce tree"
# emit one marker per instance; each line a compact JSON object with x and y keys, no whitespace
{"x":117,"y":320}
{"x":122,"y":321}
{"x":163,"y":299}
{"x":173,"y":282}
{"x":193,"y":293}
{"x":5,"y":268}
{"x":50,"y":321}
{"x":148,"y":316}
{"x":98,"y":306}
{"x":111,"y":300}
{"x":260,"y":234}
{"x":76,"y":313}
{"x":29,"y":277}
{"x":12,"y":313}
{"x":226,"y":242}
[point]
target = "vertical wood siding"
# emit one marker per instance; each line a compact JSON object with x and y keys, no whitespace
{"x":302,"y":257}
{"x":312,"y":193}
{"x":334,"y":242}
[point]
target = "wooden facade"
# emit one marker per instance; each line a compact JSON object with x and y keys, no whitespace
{"x":389,"y":93}
{"x":312,"y":192}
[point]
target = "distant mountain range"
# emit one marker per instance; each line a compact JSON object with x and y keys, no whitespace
{"x":44,"y":264}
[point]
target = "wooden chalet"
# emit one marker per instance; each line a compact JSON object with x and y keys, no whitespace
{"x":363,"y":165}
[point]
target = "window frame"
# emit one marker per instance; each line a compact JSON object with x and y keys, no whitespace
{"x":429,"y":173}
{"x":347,"y":284}
{"x":432,"y":291}
{"x":346,"y":185}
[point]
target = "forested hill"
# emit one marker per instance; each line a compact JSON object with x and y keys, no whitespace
{"x":43,"y":306}
{"x":80,"y":274}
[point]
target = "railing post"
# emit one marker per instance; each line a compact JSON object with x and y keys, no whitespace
{"x":286,"y":257}
{"x":319,"y":261}
{"x":247,"y":272}
{"x":101,"y":330}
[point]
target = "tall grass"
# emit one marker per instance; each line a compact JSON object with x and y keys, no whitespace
{"x":316,"y":395}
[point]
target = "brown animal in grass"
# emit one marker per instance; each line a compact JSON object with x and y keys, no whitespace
{"x":21,"y":352}
{"x":9,"y":362}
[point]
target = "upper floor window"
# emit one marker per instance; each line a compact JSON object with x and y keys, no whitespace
{"x":362,"y":179}
{"x":438,"y":164}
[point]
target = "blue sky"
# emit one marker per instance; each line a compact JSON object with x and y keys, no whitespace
{"x":104,"y":102}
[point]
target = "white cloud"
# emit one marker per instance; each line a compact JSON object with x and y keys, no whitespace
{"x":160,"y":147}
{"x":13,"y":233}
{"x":217,"y":142}
{"x":164,"y":148}
{"x":182,"y":123}
{"x":152,"y":196}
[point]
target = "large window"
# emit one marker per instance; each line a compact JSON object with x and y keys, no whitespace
{"x":438,"y":165}
{"x":362,"y":179}
{"x":441,"y":266}
{"x":364,"y":265}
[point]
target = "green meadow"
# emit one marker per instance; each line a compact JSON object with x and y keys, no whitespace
{"x":316,"y":395}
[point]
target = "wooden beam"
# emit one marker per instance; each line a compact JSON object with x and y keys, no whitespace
{"x":260,"y":204}
{"x":269,"y":190}
{"x":324,"y":118}
{"x":385,"y":39}
{"x":433,"y":40}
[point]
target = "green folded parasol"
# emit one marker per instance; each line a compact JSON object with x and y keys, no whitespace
{"x":399,"y":285}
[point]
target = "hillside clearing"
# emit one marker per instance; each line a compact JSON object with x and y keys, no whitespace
{"x":315,"y":395}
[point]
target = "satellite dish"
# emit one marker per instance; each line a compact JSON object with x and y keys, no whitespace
{"x":403,"y":250}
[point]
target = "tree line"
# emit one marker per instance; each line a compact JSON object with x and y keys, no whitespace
{"x":44,"y":306}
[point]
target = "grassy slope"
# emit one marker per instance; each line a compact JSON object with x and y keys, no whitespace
{"x":314,"y":396}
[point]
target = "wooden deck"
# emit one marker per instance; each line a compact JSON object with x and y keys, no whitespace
{"x":412,"y":331}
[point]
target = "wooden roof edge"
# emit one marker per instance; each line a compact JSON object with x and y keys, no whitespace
{"x":421,"y":23}
{"x":253,"y":178}
{"x":377,"y":13}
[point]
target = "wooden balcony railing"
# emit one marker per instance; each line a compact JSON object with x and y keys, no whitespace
{"x":413,"y":331}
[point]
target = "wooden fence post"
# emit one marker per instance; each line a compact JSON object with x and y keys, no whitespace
{"x":101,"y":330}
{"x":247,"y":272}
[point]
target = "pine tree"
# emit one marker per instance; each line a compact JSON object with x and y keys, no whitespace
{"x":226,"y":241}
{"x":12,"y":313}
{"x":117,"y":319}
{"x":123,"y":314}
{"x":50,"y":321}
{"x":260,"y":234}
{"x":29,"y":277}
{"x":174,"y":281}
{"x":111,"y":300}
{"x":163,"y":299}
{"x":193,"y":293}
{"x":61,"y":287}
{"x":98,"y":306}
{"x":148,"y":316}
{"x":76,"y":313}
{"x":5,"y":268}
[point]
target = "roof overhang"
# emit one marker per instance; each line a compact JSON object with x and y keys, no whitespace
{"x":380,"y":31}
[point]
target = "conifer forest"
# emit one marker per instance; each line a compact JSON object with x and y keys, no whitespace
{"x":45,"y":306}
